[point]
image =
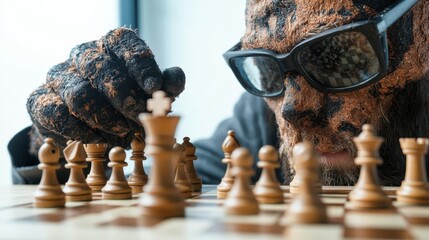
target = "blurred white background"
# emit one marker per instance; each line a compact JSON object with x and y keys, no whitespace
{"x":191,"y":34}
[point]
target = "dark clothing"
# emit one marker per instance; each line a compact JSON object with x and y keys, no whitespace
{"x":253,"y":122}
{"x":254,"y":125}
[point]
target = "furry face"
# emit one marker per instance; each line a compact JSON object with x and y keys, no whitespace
{"x":330,"y":121}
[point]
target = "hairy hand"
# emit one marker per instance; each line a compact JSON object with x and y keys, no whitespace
{"x":96,"y":95}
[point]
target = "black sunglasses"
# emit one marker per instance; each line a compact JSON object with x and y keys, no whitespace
{"x":341,"y":59}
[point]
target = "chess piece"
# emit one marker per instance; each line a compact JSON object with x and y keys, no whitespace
{"x":367,"y":194}
{"x":138,"y":178}
{"x":414,"y":189}
{"x":49,"y":193}
{"x":267,"y":189}
{"x":96,"y":178}
{"x":297,"y":181}
{"x":240,"y":199}
{"x":189,"y":167}
{"x":160,"y":198}
{"x":181,"y":180}
{"x":117,"y":186}
{"x":306,"y":206}
{"x":76,"y":188}
{"x":228,"y":146}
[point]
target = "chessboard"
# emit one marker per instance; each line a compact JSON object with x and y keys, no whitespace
{"x":205,"y":218}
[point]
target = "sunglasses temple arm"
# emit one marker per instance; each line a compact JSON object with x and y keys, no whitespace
{"x":392,"y":14}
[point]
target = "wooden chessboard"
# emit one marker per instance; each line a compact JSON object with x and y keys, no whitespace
{"x":205,"y":219}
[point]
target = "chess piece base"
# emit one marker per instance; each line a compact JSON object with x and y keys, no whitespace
{"x":117,"y":196}
{"x":197,"y":186}
{"x":368,"y":199}
{"x":269,"y":199}
{"x":310,"y":216}
{"x":224,"y":187}
{"x":96,"y":188}
{"x":268,"y":194}
{"x":79,"y":198}
{"x":55,"y":203}
{"x":184,"y":189}
{"x":135,"y":188}
{"x":222,"y":194}
{"x":413,"y":193}
{"x":241,"y":209}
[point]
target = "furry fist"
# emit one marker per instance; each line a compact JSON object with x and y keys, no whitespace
{"x":96,"y":95}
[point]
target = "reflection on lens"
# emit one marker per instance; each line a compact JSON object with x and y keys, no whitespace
{"x":343,"y":60}
{"x":261,"y":73}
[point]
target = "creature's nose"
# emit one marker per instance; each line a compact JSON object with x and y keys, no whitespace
{"x":294,"y":116}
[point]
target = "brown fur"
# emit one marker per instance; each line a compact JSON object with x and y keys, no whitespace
{"x":331,"y":120}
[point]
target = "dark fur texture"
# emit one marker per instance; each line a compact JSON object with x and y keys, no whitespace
{"x":396,"y":106}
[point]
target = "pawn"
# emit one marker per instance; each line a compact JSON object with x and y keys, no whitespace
{"x":241,"y":200}
{"x":267,"y":189}
{"x":138,"y":178}
{"x":228,"y":146}
{"x":49,"y":193}
{"x":189,"y":167}
{"x":367,"y":193}
{"x":414,"y":189}
{"x":181,"y":180}
{"x":76,"y":188}
{"x":306,"y":206}
{"x":117,"y":186}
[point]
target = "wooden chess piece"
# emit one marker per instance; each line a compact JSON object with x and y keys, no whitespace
{"x":96,"y":178}
{"x":117,"y":186}
{"x":306,"y":206}
{"x":49,"y":193}
{"x":189,"y":167}
{"x":160,"y":198}
{"x":138,"y":178}
{"x":295,"y":184}
{"x":228,"y":146}
{"x":76,"y":188}
{"x":181,"y":180}
{"x":367,"y":193}
{"x":240,"y":199}
{"x":414,"y":189}
{"x":267,"y":189}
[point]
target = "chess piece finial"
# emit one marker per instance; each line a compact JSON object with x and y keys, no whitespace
{"x":228,"y":146}
{"x":241,"y":200}
{"x":306,"y":206}
{"x":367,"y":193}
{"x":139,"y":177}
{"x":49,"y":193}
{"x":160,"y":104}
{"x":96,"y":178}
{"x":414,"y":189}
{"x":181,"y":180}
{"x":117,"y":186}
{"x":267,"y":189}
{"x":191,"y":173}
{"x":76,"y":188}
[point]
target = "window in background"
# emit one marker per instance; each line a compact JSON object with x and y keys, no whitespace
{"x":193,"y":34}
{"x":35,"y":35}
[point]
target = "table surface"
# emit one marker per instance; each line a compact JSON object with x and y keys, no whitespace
{"x":205,"y":219}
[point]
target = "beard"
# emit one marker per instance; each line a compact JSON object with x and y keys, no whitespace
{"x":329,"y":175}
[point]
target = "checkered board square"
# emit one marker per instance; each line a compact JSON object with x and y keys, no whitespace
{"x":205,"y":219}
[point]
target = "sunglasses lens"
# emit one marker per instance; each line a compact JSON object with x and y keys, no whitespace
{"x":339,"y":61}
{"x":260,"y":73}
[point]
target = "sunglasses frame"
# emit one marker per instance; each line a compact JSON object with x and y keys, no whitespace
{"x":373,"y":29}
